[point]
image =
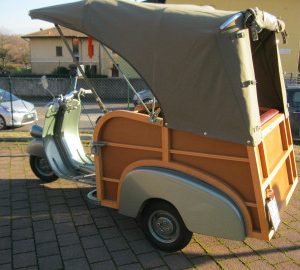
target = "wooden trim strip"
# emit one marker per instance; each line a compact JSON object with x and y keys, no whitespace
{"x":251,"y":204}
{"x":278,"y":166}
{"x":291,"y":191}
{"x":165,"y":144}
{"x":289,"y":170}
{"x":293,"y":162}
{"x":288,"y":131}
{"x":135,"y":147}
{"x":253,"y":154}
{"x":108,"y":203}
{"x":113,"y":180}
{"x":123,"y":114}
{"x":273,"y":123}
{"x":263,"y":159}
{"x":204,"y":155}
{"x":283,"y":133}
{"x":257,"y":235}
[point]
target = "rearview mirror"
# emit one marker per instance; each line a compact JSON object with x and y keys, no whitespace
{"x":44,"y":82}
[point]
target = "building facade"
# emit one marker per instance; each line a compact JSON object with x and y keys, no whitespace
{"x":48,"y":52}
{"x":287,"y":10}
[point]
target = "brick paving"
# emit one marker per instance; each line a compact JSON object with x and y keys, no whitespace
{"x":53,"y":226}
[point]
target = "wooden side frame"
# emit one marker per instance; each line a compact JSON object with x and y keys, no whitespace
{"x":262,"y":174}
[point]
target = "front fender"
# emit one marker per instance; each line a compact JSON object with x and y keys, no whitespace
{"x":36,"y":148}
{"x":203,"y":208}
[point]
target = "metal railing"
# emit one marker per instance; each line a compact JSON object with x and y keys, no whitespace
{"x":114,"y":92}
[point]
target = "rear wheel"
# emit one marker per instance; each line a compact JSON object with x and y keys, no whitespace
{"x":2,"y":123}
{"x":41,"y":168}
{"x":164,"y":227}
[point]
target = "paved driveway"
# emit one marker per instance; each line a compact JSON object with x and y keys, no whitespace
{"x":52,"y":226}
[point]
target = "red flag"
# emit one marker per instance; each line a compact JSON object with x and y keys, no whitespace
{"x":90,"y":47}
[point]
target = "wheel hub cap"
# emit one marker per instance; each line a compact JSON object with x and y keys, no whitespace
{"x":163,"y":226}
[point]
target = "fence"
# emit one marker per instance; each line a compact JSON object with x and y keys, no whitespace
{"x":292,"y":78}
{"x":113,"y":91}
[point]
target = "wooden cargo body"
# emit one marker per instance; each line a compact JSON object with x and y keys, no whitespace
{"x":244,"y":173}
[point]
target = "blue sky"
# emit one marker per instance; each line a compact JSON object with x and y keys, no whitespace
{"x":14,"y":18}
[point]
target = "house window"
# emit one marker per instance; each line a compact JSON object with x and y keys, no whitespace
{"x":59,"y":51}
{"x":76,"y":47}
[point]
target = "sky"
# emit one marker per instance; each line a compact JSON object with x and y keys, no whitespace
{"x":14,"y":18}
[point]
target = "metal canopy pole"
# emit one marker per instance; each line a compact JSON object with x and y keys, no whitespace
{"x":125,"y":78}
{"x":98,"y":100}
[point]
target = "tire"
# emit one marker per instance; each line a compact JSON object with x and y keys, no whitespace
{"x":164,"y":227}
{"x":2,"y":123}
{"x":42,"y":169}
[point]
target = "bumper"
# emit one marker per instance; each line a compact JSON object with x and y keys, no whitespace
{"x":21,"y":119}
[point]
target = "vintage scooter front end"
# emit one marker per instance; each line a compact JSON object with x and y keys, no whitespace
{"x":57,"y":147}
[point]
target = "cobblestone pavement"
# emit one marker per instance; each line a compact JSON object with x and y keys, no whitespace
{"x":52,"y":226}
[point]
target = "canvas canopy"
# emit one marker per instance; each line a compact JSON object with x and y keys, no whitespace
{"x":207,"y":73}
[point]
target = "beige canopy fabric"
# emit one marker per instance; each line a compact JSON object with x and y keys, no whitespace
{"x":201,"y":73}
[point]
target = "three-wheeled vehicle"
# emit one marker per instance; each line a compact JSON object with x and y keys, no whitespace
{"x":216,"y":155}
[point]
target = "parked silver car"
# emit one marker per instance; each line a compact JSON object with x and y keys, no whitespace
{"x":15,"y":111}
{"x":146,"y":95}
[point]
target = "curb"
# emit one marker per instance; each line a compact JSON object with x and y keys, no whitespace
{"x":84,"y":139}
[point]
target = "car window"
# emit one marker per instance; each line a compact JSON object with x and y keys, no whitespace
{"x":5,"y":96}
{"x":295,"y":102}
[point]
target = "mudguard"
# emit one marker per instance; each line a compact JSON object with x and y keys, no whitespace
{"x":36,"y":148}
{"x":203,"y":208}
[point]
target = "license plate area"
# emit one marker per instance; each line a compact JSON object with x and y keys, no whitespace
{"x":273,"y":212}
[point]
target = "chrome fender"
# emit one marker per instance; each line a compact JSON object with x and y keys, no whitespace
{"x":203,"y":208}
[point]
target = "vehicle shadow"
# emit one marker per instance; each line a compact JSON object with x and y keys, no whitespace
{"x":62,"y":207}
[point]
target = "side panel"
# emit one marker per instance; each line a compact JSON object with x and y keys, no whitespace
{"x":203,"y":208}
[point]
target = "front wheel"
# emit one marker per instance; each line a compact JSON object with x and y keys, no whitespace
{"x":164,"y":227}
{"x":41,"y":168}
{"x":2,"y":123}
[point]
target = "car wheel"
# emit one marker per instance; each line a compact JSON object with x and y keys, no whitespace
{"x":41,"y":168}
{"x":2,"y":123}
{"x":164,"y":227}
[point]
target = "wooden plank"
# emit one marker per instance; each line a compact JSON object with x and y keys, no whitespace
{"x":251,"y":204}
{"x":284,"y":137}
{"x":111,"y":204}
{"x":291,"y":191}
{"x":278,"y":166}
{"x":205,"y":155}
{"x":98,"y":166}
{"x":110,"y":180}
{"x":289,"y":170}
{"x":288,"y":131}
{"x":273,"y":123}
{"x":165,"y":144}
{"x":257,"y":235}
{"x":135,"y":147}
{"x":263,"y":159}
{"x":253,"y":154}
{"x":293,"y":163}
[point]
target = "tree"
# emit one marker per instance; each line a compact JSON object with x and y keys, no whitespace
{"x":3,"y":56}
